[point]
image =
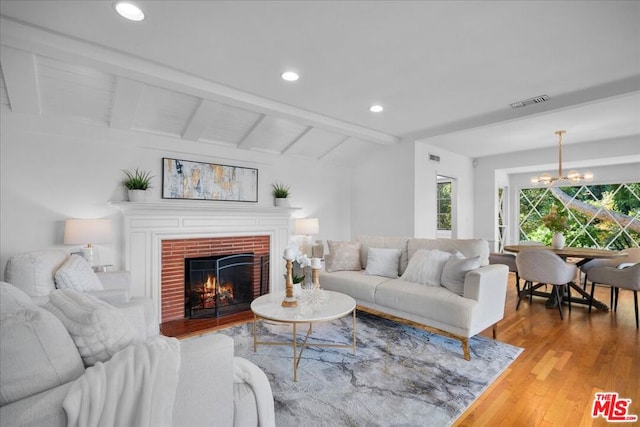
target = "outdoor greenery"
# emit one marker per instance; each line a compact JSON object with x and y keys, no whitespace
{"x":598,"y":216}
{"x":444,"y":206}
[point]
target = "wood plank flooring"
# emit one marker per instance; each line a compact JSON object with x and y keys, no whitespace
{"x":553,"y":382}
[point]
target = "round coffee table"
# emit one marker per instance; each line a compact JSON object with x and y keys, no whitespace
{"x":331,"y":306}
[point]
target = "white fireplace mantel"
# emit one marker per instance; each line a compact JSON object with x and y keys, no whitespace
{"x":146,"y":225}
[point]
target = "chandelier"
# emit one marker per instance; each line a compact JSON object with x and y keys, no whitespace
{"x":573,"y":176}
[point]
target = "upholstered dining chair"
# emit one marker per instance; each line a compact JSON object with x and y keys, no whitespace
{"x":627,"y":277}
{"x":633,"y":257}
{"x":509,"y":259}
{"x":544,"y":266}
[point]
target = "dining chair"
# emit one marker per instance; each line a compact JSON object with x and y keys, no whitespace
{"x":510,"y":261}
{"x":544,"y":266}
{"x":626,"y":277}
{"x":632,"y":257}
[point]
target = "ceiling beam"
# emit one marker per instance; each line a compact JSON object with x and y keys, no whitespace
{"x":345,"y":139}
{"x":298,"y":138}
{"x":243,"y":141}
{"x":21,"y":80}
{"x":43,"y":42}
{"x":125,"y":104}
{"x":199,"y":121}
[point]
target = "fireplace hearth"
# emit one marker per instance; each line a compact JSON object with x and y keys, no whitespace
{"x":223,"y":284}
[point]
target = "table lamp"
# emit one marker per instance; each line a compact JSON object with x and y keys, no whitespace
{"x":88,"y":232}
{"x":307,"y":227}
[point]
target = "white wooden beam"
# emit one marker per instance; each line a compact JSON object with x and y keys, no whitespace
{"x":125,"y":105}
{"x":243,"y":142}
{"x":199,"y":121}
{"x":63,"y":48}
{"x":21,"y":80}
{"x":298,"y":138}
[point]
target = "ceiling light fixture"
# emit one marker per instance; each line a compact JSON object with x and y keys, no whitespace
{"x":129,"y":11}
{"x":290,"y":76}
{"x":376,"y":108}
{"x":573,"y":176}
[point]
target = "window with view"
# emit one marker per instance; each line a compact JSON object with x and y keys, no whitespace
{"x":599,"y":216}
{"x":444,"y":206}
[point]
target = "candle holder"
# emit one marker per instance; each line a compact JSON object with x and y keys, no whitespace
{"x":315,"y":278}
{"x":289,"y":300}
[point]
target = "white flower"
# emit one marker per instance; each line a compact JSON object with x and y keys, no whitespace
{"x":303,"y":260}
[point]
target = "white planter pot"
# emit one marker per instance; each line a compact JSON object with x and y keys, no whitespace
{"x":137,"y":195}
{"x":557,"y":241}
{"x":282,"y":202}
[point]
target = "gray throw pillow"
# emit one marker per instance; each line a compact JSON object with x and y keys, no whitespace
{"x":456,"y":269}
{"x":383,"y":262}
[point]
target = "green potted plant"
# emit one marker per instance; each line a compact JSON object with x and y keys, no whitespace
{"x":281,"y":193}
{"x":137,"y":183}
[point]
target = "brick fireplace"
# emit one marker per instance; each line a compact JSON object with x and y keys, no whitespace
{"x":147,"y":226}
{"x":174,"y":253}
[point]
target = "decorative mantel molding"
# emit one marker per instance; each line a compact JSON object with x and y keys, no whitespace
{"x":147,"y":224}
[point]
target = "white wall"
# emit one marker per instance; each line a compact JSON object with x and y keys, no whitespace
{"x":53,"y":169}
{"x":451,"y":165}
{"x":394,"y":191}
{"x":604,"y":158}
{"x":383,"y":193}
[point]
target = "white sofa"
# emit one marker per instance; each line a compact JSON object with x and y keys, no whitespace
{"x":43,"y":352}
{"x":479,"y":305}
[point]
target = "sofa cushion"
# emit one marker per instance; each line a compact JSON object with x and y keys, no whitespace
{"x":36,"y":354}
{"x":384,"y":242}
{"x":13,"y":299}
{"x":98,"y":329}
{"x":77,"y":274}
{"x":33,"y":271}
{"x":383,"y":262}
{"x":455,"y":270}
{"x":356,"y":284}
{"x":425,"y":267}
{"x":431,"y":302}
{"x":468,"y":247}
{"x":345,"y":256}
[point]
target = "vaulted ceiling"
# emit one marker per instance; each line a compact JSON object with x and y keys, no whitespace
{"x":445,"y":72}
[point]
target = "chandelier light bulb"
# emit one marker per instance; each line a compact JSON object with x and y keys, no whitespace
{"x":588,"y":176}
{"x":535,"y":180}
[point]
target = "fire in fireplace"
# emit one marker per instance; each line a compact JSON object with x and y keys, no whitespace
{"x":220,"y":285}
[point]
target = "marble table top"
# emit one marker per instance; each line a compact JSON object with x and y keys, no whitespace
{"x":314,"y":306}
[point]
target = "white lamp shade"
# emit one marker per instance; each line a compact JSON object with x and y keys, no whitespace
{"x":307,"y":226}
{"x":87,"y":231}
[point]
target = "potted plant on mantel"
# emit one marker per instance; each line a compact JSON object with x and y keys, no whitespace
{"x":137,"y":183}
{"x":281,"y":193}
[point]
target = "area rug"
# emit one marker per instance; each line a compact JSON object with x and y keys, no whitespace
{"x":399,"y":376}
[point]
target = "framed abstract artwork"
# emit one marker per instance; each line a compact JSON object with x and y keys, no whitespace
{"x":184,"y":179}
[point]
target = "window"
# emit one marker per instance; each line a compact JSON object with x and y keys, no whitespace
{"x":444,"y":205}
{"x":599,"y":216}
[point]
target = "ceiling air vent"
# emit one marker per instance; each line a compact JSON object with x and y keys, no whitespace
{"x":534,"y":100}
{"x":434,"y":157}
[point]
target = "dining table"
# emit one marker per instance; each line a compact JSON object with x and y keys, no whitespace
{"x":584,"y":255}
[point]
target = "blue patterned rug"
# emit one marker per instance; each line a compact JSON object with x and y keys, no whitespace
{"x":400,"y":376}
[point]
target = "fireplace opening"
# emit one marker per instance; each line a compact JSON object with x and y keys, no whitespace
{"x":224,"y":284}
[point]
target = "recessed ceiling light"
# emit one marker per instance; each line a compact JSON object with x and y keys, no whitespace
{"x":129,"y":11}
{"x":290,"y":76}
{"x":376,"y":108}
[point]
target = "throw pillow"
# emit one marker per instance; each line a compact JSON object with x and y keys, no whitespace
{"x":77,"y":274}
{"x":36,"y":354}
{"x":425,"y":267}
{"x":98,"y":329}
{"x":383,"y":262}
{"x":345,"y":256}
{"x":455,"y":270}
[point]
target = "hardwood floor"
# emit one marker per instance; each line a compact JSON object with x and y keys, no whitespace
{"x":564,"y":362}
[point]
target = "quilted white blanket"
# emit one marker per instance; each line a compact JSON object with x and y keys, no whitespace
{"x":136,"y":387}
